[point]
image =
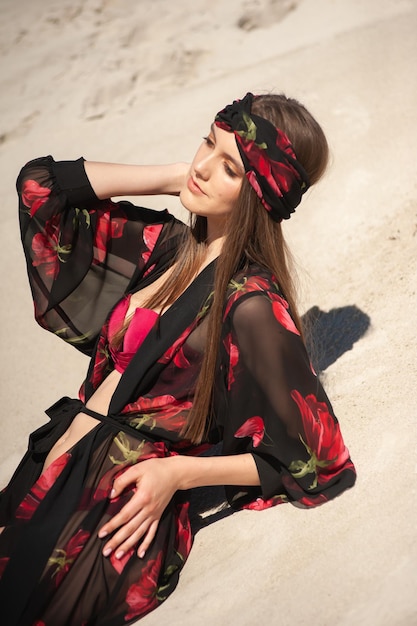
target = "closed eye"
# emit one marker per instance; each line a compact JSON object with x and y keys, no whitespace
{"x":209,"y":141}
{"x":229,"y":171}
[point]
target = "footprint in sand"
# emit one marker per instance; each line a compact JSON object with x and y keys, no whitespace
{"x":261,"y":13}
{"x":21,"y":129}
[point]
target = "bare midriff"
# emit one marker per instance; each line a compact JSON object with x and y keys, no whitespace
{"x":82,"y":423}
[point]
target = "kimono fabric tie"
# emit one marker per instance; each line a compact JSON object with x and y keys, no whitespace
{"x":270,"y":163}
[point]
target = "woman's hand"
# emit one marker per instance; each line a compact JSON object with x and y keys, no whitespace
{"x":182,"y":171}
{"x":138,"y":520}
{"x":156,"y":481}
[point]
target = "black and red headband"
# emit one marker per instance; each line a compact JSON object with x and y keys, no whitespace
{"x":270,"y":163}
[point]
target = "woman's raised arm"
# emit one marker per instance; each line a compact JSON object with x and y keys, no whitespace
{"x":82,"y":251}
{"x":112,"y":179}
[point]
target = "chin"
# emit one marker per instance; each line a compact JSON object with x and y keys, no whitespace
{"x":187,"y":202}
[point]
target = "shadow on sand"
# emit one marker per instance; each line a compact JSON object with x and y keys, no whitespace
{"x":329,"y":335}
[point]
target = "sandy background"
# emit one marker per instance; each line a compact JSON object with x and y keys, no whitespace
{"x":139,"y":81}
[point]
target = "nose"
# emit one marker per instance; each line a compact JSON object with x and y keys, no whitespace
{"x":202,"y":166}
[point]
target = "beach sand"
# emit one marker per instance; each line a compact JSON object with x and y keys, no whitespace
{"x":136,"y":81}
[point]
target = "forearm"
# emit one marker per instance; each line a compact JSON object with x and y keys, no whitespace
{"x":189,"y":471}
{"x":156,"y":481}
{"x":113,"y":179}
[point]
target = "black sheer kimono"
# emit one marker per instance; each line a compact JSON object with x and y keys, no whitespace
{"x":83,"y":256}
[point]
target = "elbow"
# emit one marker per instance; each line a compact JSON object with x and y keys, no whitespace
{"x":36,"y":171}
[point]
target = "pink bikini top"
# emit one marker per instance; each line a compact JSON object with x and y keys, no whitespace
{"x":140,"y":324}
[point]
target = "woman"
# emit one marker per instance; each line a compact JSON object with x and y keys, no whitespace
{"x":185,"y":351}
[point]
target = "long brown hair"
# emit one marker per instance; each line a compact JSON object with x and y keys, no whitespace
{"x":251,"y":237}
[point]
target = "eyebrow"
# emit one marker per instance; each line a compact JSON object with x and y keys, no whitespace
{"x":236,"y":163}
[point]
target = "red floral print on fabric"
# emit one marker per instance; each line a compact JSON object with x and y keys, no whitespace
{"x":150,"y":237}
{"x":233,"y":352}
{"x":119,"y":564}
{"x":277,"y":178}
{"x":262,"y":164}
{"x":183,"y":537}
{"x":278,"y":174}
{"x":260,"y":504}
{"x":245,"y":285}
{"x":133,"y":450}
{"x":253,"y":427}
{"x":64,"y":558}
{"x":149,"y":270}
{"x":142,"y":597}
{"x":300,"y":496}
{"x":48,"y":253}
{"x":180,"y":360}
{"x":253,"y":284}
{"x":280,"y":309}
{"x":39,"y":490}
{"x":316,"y":501}
{"x":175,"y":352}
{"x":108,"y":227}
{"x":324,"y":441}
{"x":253,"y":181}
{"x":81,"y":391}
{"x":165,"y":411}
{"x":34,"y":196}
{"x":103,"y":489}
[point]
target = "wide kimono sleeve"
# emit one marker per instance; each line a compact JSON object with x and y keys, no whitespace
{"x":82,"y":253}
{"x":274,"y":407}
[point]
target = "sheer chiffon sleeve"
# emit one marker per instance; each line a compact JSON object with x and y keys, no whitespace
{"x":82,"y":253}
{"x":278,"y":411}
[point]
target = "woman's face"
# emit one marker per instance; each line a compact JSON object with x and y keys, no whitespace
{"x":215,"y":177}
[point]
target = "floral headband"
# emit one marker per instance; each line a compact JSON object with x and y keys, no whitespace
{"x":268,"y":157}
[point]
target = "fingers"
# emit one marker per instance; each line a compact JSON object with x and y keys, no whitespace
{"x":136,"y":520}
{"x":128,"y":477}
{"x":149,"y":537}
{"x":124,"y":516}
{"x":127,"y":537}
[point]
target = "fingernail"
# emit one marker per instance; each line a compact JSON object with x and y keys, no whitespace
{"x":141,"y":554}
{"x":106,"y":552}
{"x":112,"y":493}
{"x":119,"y":554}
{"x":102,"y":533}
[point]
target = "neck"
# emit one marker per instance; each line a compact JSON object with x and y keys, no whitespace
{"x":216,"y":238}
{"x":214,"y":248}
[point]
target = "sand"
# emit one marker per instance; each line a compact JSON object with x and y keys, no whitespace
{"x":139,"y":82}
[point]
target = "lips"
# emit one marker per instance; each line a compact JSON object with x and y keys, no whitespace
{"x":193,"y":187}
